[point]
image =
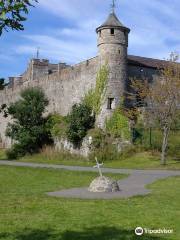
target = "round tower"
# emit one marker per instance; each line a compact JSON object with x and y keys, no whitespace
{"x":112,"y":46}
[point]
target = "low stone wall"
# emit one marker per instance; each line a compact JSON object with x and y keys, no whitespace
{"x":64,"y":144}
{"x":86,"y":147}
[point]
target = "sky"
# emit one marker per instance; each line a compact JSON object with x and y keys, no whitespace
{"x":64,"y":30}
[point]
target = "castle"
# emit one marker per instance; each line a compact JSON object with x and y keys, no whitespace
{"x":66,"y":85}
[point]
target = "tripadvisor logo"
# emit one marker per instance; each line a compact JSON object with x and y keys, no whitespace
{"x":139,"y":231}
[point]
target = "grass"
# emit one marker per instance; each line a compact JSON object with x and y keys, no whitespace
{"x":132,"y":160}
{"x":139,"y":160}
{"x":27,"y":213}
{"x":2,"y":154}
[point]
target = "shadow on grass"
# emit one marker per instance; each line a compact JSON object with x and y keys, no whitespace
{"x":97,"y":233}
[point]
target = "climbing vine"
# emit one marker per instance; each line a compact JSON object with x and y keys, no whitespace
{"x":118,"y":125}
{"x":94,"y":97}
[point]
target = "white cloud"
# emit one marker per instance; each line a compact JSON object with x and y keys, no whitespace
{"x":57,"y":49}
{"x":73,"y":9}
{"x":154,"y":24}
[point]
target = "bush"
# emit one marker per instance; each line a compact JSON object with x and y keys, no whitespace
{"x":118,"y":125}
{"x":98,"y":137}
{"x":57,"y":125}
{"x":29,"y":129}
{"x":102,"y":145}
{"x":80,"y":120}
{"x":15,"y":152}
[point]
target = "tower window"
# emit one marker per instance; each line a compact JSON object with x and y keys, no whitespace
{"x":100,"y":33}
{"x":110,"y":103}
{"x":112,"y":31}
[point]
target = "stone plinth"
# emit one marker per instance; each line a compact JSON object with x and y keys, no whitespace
{"x":103,"y":184}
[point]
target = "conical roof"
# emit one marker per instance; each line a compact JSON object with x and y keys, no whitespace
{"x":112,"y":21}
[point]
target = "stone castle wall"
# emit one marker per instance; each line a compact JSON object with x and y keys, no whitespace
{"x":63,"y":89}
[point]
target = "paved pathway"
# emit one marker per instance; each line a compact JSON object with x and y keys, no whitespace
{"x":133,"y":185}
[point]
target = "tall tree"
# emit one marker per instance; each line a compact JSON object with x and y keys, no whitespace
{"x":28,"y":130}
{"x":161,"y":99}
{"x":12,"y":14}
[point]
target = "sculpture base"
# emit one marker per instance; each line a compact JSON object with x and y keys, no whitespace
{"x":103,"y":184}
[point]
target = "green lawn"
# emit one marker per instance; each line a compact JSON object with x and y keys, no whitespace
{"x":27,"y":213}
{"x":141,"y":160}
{"x":2,"y":154}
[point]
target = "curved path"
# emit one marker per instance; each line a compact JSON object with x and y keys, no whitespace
{"x":133,"y":185}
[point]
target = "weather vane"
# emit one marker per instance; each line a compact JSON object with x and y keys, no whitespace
{"x":113,"y":6}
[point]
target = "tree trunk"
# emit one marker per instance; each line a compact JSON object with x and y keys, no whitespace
{"x":164,"y":145}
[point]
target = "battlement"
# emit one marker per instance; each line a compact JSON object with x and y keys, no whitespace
{"x":63,"y":78}
{"x":36,"y":69}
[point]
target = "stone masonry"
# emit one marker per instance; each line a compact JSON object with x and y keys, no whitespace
{"x":66,"y":85}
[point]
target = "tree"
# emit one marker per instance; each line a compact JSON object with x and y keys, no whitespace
{"x":161,"y":99}
{"x":28,"y":129}
{"x":80,"y":120}
{"x":12,"y":14}
{"x":2,"y":83}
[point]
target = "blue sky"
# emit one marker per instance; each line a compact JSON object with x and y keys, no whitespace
{"x":65,"y":31}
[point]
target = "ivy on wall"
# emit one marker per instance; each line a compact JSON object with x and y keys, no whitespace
{"x":94,"y":97}
{"x":118,"y":125}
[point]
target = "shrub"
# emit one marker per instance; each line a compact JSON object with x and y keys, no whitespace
{"x":80,"y":120}
{"x":98,"y":137}
{"x":102,"y":145}
{"x":29,"y":130}
{"x":57,"y":125}
{"x":15,"y":152}
{"x":118,"y":125}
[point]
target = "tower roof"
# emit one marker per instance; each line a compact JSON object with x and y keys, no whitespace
{"x":112,"y":21}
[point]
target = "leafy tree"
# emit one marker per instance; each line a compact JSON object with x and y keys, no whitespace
{"x":12,"y":14}
{"x":80,"y":120}
{"x":161,"y":99}
{"x":28,"y":129}
{"x":2,"y":83}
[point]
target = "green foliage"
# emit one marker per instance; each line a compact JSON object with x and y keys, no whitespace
{"x":28,"y":130}
{"x":2,"y":83}
{"x":15,"y":152}
{"x":102,"y":146}
{"x":80,"y":120}
{"x":57,"y":125}
{"x":98,"y":137}
{"x":11,"y":14}
{"x":94,"y":97}
{"x":151,"y":139}
{"x":4,"y":110}
{"x":118,"y":125}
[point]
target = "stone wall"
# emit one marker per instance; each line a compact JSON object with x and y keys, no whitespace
{"x":63,"y":89}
